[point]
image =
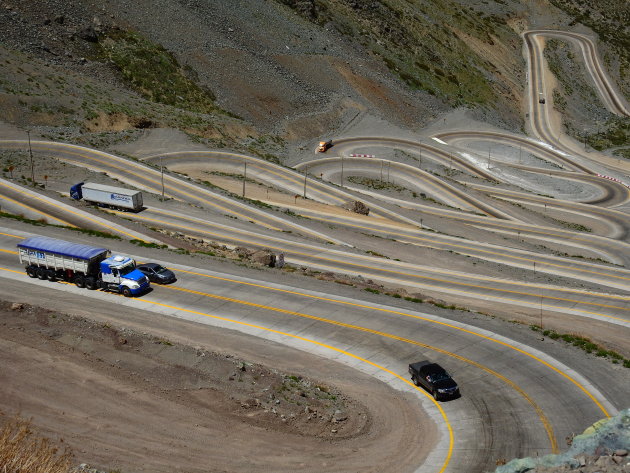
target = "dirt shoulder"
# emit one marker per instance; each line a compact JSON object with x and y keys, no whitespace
{"x":134,"y":400}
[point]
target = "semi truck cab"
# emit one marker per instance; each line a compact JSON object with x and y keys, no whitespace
{"x":119,"y":273}
{"x":76,"y":192}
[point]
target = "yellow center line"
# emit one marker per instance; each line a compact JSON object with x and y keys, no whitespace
{"x":415,"y":276}
{"x":473,"y":249}
{"x":395,"y":312}
{"x":324,"y":345}
{"x":443,"y":187}
{"x":263,"y":166}
{"x":546,"y":423}
{"x":80,"y":215}
{"x":30,"y":195}
{"x":510,"y":226}
{"x":582,"y":208}
{"x":33,"y":209}
{"x":197,"y":196}
{"x":509,"y":382}
{"x":9,"y":235}
{"x":405,"y":314}
{"x":85,"y":154}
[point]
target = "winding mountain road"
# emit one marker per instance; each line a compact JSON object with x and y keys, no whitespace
{"x":508,"y":247}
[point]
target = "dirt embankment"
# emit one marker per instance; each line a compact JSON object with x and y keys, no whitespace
{"x":129,"y":400}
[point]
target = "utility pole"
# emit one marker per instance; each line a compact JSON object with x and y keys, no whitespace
{"x":162,"y":176}
{"x":305,"y":172}
{"x":381,"y":172}
{"x":489,"y":148}
{"x":520,"y":153}
{"x":342,"y":170}
{"x":388,"y":163}
{"x":541,"y":305}
{"x":541,"y":312}
{"x":244,"y":177}
{"x":30,"y":152}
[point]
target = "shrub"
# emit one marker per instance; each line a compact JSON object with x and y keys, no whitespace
{"x":155,"y":73}
{"x":21,"y":451}
{"x":147,"y":244}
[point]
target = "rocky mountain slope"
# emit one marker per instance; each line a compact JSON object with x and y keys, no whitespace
{"x":256,"y":75}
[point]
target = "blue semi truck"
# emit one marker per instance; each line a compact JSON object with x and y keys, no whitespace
{"x":83,"y":265}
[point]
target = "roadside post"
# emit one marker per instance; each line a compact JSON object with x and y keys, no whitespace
{"x":162,"y":176}
{"x":244,"y":177}
{"x":342,"y":170}
{"x":30,"y":152}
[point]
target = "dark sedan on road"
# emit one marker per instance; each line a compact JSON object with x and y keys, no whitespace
{"x":434,"y":379}
{"x":157,"y":273}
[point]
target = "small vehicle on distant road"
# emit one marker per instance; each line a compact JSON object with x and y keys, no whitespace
{"x":157,"y":273}
{"x":324,"y":145}
{"x":434,"y":379}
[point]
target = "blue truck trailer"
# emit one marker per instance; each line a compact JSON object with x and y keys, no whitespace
{"x":83,"y":265}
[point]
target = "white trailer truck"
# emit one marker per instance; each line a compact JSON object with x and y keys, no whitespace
{"x":107,"y":196}
{"x":83,"y":265}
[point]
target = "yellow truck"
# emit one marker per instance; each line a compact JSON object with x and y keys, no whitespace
{"x":324,"y":145}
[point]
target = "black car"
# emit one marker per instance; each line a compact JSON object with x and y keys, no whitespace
{"x":157,"y":273}
{"x":434,"y":379}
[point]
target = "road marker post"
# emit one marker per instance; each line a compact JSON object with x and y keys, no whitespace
{"x":30,"y":152}
{"x":244,"y":177}
{"x":342,"y":170}
{"x":162,"y":176}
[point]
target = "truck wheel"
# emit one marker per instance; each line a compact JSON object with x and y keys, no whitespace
{"x":79,"y":281}
{"x":126,"y":291}
{"x":51,"y":275}
{"x":41,"y":273}
{"x":31,"y":271}
{"x":90,"y":283}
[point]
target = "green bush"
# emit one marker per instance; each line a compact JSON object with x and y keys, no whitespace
{"x":155,"y":73}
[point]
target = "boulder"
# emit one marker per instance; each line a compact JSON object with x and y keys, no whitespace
{"x":242,"y":252}
{"x":264,"y":257}
{"x":88,"y":34}
{"x":339,"y":416}
{"x":357,"y":207}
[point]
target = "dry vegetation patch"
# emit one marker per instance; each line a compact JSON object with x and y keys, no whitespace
{"x":23,"y":451}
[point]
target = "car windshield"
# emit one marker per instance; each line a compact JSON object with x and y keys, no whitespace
{"x":160,"y":269}
{"x":439,"y":377}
